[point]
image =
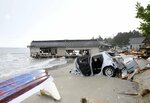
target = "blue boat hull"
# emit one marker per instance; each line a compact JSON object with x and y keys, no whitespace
{"x":14,"y":87}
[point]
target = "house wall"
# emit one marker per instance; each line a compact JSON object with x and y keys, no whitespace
{"x":34,"y":51}
{"x":94,"y":50}
{"x":136,"y":46}
{"x":61,"y":51}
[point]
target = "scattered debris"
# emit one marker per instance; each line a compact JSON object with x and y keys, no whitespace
{"x":132,"y":75}
{"x":136,"y":71}
{"x":148,"y":65}
{"x":43,"y":92}
{"x":134,"y":92}
{"x":74,"y":71}
{"x":118,"y":97}
{"x":148,"y":59}
{"x":143,"y":69}
{"x":87,"y":100}
{"x":145,"y":92}
{"x":136,"y":80}
{"x":49,"y":89}
{"x":124,"y":74}
{"x":84,"y":100}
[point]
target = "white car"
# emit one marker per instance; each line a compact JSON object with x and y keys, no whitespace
{"x":101,"y":63}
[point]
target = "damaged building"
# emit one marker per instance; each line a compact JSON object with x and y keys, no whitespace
{"x":66,"y":48}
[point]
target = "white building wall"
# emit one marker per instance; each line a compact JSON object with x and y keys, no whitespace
{"x":34,"y":50}
{"x":61,"y":51}
{"x":136,"y":46}
{"x":94,"y":50}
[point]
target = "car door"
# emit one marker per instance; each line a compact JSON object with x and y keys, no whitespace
{"x":84,"y":65}
{"x":97,"y":62}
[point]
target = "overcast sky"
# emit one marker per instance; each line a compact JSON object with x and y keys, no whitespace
{"x":22,"y":21}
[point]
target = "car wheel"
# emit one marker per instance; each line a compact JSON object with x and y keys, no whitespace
{"x":109,"y":71}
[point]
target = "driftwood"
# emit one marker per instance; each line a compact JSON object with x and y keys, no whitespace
{"x":130,"y":92}
{"x":132,"y":75}
{"x":143,"y":93}
{"x":143,"y":69}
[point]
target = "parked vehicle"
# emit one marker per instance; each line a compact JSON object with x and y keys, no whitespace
{"x":146,"y":52}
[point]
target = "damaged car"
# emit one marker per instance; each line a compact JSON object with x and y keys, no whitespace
{"x":128,"y":62}
{"x":102,"y":63}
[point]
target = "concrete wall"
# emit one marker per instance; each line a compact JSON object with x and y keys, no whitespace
{"x":61,"y":51}
{"x":136,"y":46}
{"x":34,"y":50}
{"x":94,"y":50}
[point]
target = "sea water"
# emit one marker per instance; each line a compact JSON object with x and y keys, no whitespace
{"x":17,"y":60}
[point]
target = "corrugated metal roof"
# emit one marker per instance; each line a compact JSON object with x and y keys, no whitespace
{"x":137,"y":40}
{"x":67,"y":43}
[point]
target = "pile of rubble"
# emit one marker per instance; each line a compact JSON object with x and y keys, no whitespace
{"x":142,"y":77}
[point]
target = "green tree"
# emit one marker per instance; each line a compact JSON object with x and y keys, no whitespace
{"x":108,"y":40}
{"x":143,"y":13}
{"x":122,"y":38}
{"x":100,"y":38}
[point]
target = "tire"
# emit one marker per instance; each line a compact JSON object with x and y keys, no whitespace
{"x":109,"y":71}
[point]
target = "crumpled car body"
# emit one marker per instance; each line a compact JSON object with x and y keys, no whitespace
{"x":101,"y":63}
{"x":128,"y":61}
{"x":130,"y":64}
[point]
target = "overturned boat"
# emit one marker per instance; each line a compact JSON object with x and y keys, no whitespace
{"x":20,"y":87}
